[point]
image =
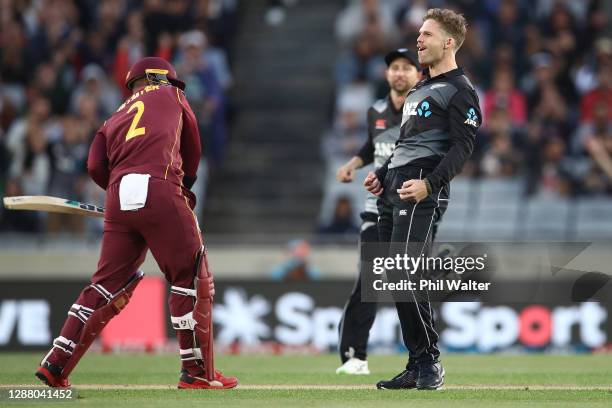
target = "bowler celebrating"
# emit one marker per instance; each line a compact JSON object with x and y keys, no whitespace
{"x":439,"y":123}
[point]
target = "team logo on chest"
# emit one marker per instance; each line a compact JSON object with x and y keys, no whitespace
{"x":410,"y":108}
{"x":380,"y":124}
{"x":384,"y":149}
{"x":422,"y":109}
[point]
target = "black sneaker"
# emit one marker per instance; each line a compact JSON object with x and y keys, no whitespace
{"x":430,"y":376}
{"x":407,"y":379}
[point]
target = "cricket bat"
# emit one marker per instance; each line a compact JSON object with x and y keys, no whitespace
{"x":52,"y":204}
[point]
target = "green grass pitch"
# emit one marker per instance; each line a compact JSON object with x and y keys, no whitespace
{"x":137,"y":380}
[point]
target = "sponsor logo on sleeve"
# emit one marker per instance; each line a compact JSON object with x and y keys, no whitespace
{"x":472,"y":118}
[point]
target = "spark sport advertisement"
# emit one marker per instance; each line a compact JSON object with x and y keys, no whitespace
{"x":272,"y":316}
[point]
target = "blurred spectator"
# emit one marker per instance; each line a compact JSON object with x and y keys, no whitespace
{"x":53,"y":32}
{"x":545,"y":100}
{"x":504,"y":95}
{"x":561,"y":41}
{"x":561,"y":34}
{"x":599,"y":17}
{"x":554,"y":177}
{"x":94,"y":84}
{"x":544,"y":8}
{"x":410,"y":20}
{"x":348,"y":133}
{"x":600,"y":97}
{"x":365,"y":15}
{"x":88,"y":113}
{"x":219,"y":18}
{"x":340,"y":143}
{"x":474,"y":57}
{"x":165,"y":17}
{"x":55,"y":84}
{"x":13,"y":63}
{"x":210,"y":55}
{"x":508,"y":27}
{"x":30,"y":170}
{"x":93,"y":49}
{"x":533,"y":40}
{"x":26,"y":142}
{"x":549,"y":170}
{"x":597,"y":137}
{"x":34,"y":174}
{"x":502,"y":158}
{"x":69,"y":156}
{"x":343,"y":219}
{"x":296,"y":266}
{"x":362,"y":61}
{"x":130,"y":49}
{"x":586,"y":74}
{"x":204,"y":93}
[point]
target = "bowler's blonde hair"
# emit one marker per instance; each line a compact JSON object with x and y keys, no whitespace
{"x":453,"y":23}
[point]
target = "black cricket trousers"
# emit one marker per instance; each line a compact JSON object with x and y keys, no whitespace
{"x":358,"y":317}
{"x":410,"y":228}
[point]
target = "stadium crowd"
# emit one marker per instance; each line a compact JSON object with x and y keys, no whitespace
{"x":542,"y":69}
{"x":62,"y":69}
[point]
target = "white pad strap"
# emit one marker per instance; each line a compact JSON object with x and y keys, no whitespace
{"x":190,"y":354}
{"x":80,"y":312}
{"x":64,"y":344}
{"x":108,"y":296}
{"x":102,"y":291}
{"x":177,"y":290}
{"x":185,"y":322}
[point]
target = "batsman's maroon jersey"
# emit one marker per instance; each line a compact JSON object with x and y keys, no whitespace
{"x":154,"y":132}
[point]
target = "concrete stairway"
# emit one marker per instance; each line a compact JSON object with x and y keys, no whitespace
{"x":271,"y":179}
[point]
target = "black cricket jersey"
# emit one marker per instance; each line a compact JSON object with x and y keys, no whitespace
{"x":383,"y":131}
{"x":439,"y":123}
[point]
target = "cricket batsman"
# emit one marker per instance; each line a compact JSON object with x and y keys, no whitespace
{"x":440,"y":119}
{"x":146,"y":156}
{"x":383,"y":120}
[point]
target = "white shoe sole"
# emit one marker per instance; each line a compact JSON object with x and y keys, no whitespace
{"x":347,"y":373}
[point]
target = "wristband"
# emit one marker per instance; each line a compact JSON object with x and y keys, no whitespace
{"x":428,"y":186}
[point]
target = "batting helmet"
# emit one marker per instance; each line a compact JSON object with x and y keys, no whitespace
{"x":157,"y":70}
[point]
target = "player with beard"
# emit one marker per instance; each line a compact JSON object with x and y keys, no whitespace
{"x":383,"y":120}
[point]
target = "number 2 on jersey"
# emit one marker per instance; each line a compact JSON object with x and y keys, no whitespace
{"x":134,"y":130}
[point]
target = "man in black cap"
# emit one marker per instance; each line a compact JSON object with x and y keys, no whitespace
{"x":384,"y":118}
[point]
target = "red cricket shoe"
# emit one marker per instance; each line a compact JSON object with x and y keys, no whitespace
{"x":190,"y":381}
{"x":51,"y":375}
